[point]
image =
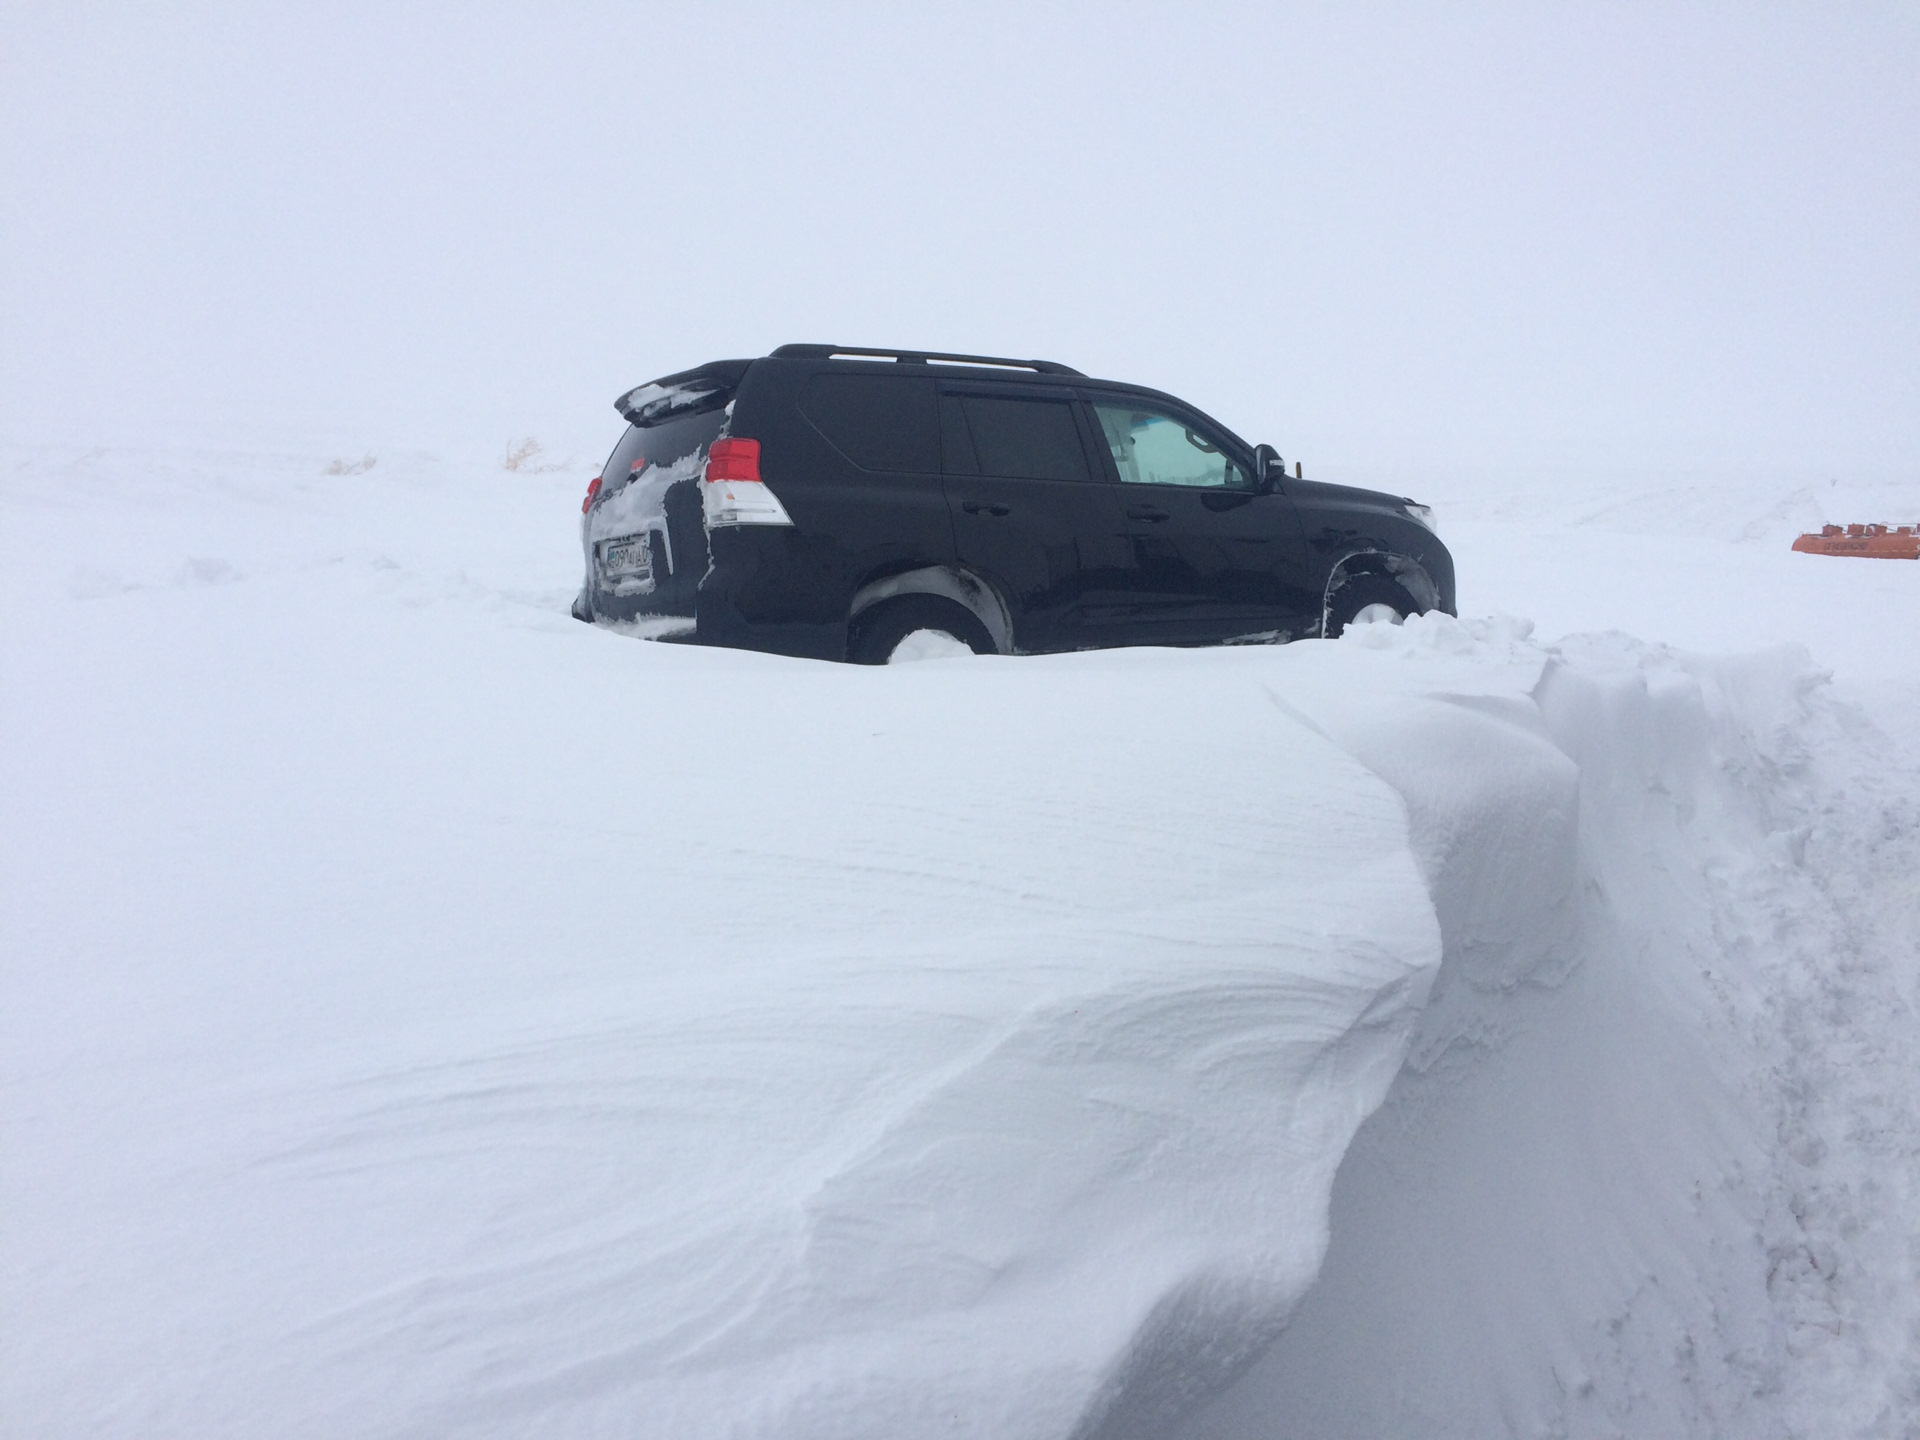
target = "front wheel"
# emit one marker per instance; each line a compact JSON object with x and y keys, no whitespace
{"x":915,"y":627}
{"x":1368,"y":599}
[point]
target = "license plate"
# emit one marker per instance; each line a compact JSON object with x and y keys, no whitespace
{"x":628,"y":558}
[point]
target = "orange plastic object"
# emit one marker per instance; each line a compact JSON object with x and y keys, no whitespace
{"x":1878,"y":542}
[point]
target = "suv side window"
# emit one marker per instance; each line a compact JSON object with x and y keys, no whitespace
{"x":1017,"y":437}
{"x":880,"y":422}
{"x":1150,"y":447}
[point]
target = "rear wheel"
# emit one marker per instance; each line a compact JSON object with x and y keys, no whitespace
{"x":1367,"y":599}
{"x":915,"y":627}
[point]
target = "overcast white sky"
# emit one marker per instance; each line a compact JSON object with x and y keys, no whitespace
{"x":1567,"y":235}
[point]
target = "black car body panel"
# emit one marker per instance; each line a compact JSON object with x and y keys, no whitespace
{"x":1351,"y":532}
{"x":1213,"y":563}
{"x":1061,"y":512}
{"x":1032,"y":513}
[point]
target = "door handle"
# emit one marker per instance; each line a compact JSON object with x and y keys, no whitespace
{"x":975,"y":507}
{"x":1146,"y":512}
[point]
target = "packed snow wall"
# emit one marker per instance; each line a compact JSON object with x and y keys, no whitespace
{"x":1640,"y":1174}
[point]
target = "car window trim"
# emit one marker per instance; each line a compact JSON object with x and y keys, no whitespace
{"x":1005,"y":389}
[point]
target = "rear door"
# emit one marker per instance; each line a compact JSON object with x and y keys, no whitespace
{"x":1212,"y":558}
{"x":1035,"y":512}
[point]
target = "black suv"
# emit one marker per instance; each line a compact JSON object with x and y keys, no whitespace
{"x":828,"y":501}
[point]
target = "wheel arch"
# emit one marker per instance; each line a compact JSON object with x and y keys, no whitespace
{"x":949,"y":582}
{"x":1402,"y":570}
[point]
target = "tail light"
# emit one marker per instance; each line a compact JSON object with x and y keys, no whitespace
{"x":734,"y":459}
{"x":734,"y":493}
{"x":593,"y":489}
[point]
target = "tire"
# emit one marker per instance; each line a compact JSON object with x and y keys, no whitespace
{"x":1371,"y":595}
{"x":875,"y":634}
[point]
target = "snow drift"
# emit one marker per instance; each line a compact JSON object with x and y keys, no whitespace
{"x":430,"y":1016}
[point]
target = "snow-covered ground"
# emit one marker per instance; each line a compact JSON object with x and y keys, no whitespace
{"x":421,"y":1014}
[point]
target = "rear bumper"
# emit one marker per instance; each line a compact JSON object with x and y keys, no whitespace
{"x":718,"y":621}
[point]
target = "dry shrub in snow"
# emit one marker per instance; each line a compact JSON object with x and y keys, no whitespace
{"x":525,"y":455}
{"x":529,"y":457}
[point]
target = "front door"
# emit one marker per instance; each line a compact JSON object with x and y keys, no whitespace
{"x":1214,"y":558}
{"x":1034,"y":512}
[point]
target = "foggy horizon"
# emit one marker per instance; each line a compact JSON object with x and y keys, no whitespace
{"x":1495,"y":240}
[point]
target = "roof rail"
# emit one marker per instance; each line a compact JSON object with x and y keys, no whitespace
{"x":921,"y":357}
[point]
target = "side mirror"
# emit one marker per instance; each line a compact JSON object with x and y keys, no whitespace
{"x":1268,"y":467}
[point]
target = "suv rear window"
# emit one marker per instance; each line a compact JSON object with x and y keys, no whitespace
{"x":662,"y":444}
{"x":880,"y":422}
